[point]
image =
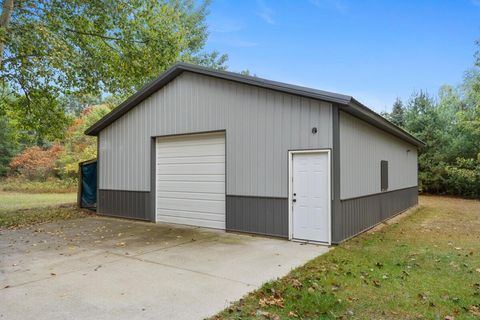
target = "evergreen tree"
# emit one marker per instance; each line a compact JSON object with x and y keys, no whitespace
{"x":397,"y":116}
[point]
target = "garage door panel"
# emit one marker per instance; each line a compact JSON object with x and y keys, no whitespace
{"x":206,"y":150}
{"x":191,"y":195}
{"x":191,"y":140}
{"x":190,"y":180}
{"x":207,"y":206}
{"x":192,"y":222}
{"x":191,"y":159}
{"x":192,"y":215}
{"x":191,"y":168}
{"x":187,"y":186}
{"x":217,"y":146}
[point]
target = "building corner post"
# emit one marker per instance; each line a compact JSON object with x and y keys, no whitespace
{"x":337,"y":221}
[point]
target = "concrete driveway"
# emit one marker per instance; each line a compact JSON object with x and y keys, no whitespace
{"x":105,"y":268}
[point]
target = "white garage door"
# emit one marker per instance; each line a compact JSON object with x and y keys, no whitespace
{"x":190,"y":180}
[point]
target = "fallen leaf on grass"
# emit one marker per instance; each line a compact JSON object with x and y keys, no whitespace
{"x":376,"y":283}
{"x":449,"y":318}
{"x":475,"y":310}
{"x":275,"y":300}
{"x":296,"y":283}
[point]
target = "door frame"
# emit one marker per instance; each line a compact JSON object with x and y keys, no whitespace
{"x":291,"y":153}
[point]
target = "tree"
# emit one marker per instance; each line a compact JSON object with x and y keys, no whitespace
{"x":78,"y":146}
{"x":397,"y":116}
{"x":247,"y":72}
{"x":7,"y":145}
{"x":421,"y":119}
{"x":74,"y":105}
{"x":36,"y":163}
{"x":450,"y":161}
{"x":476,"y":84}
{"x":37,"y":117}
{"x":52,"y":48}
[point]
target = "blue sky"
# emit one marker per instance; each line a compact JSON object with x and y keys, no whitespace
{"x":373,"y":50}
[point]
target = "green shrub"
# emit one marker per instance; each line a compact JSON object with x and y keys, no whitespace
{"x":464,"y":178}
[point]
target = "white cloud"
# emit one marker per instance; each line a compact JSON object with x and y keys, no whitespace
{"x":265,"y":12}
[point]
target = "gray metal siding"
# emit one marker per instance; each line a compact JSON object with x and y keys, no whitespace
{"x":261,"y":126}
{"x":360,"y":214}
{"x":128,"y":204}
{"x":260,"y":215}
{"x":362,"y":147}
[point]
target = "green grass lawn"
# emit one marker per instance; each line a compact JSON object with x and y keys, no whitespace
{"x":10,"y":201}
{"x":424,"y":266}
{"x":23,"y":209}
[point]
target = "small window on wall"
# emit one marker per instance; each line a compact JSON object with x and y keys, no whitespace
{"x":384,"y":175}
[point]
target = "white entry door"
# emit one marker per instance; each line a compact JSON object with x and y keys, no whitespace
{"x":190,"y":180}
{"x":310,"y":198}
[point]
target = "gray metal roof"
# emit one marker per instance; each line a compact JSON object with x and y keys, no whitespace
{"x":353,"y":106}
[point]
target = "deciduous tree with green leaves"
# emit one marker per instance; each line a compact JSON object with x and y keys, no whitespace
{"x":53,"y":48}
{"x":78,"y":146}
{"x":7,"y":144}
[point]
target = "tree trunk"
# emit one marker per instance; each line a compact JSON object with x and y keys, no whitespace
{"x":4,"y":21}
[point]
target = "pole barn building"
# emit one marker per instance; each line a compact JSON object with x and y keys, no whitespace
{"x":221,"y":150}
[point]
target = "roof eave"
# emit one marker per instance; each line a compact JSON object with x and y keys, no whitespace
{"x":352,"y":105}
{"x":132,"y":101}
{"x":363,"y":112}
